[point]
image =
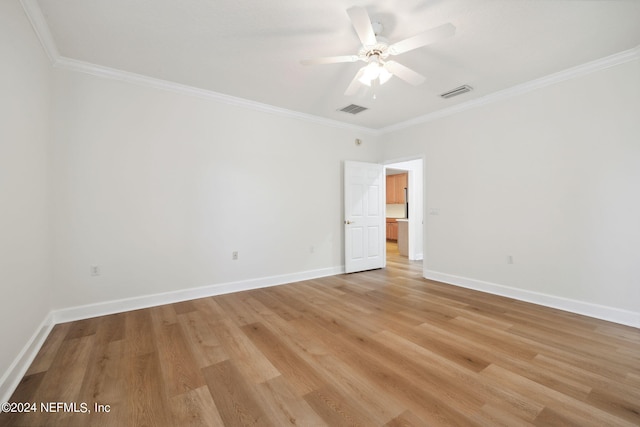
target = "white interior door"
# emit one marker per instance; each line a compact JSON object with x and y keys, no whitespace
{"x":364,"y":218}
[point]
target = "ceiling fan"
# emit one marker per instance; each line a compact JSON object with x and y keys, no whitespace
{"x":376,"y":49}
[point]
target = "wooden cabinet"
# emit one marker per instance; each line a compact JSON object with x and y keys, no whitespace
{"x":403,"y":237}
{"x":401,"y":184}
{"x":391,"y":189}
{"x":395,"y":188}
{"x":392,"y":229}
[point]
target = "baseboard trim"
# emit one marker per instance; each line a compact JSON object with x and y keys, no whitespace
{"x":12,"y":377}
{"x":611,"y":314}
{"x":118,"y":306}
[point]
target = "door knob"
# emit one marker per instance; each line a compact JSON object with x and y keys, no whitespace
{"x":348,"y":222}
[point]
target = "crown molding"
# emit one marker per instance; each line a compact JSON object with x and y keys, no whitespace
{"x":139,"y":79}
{"x":570,"y":73}
{"x":41,"y":28}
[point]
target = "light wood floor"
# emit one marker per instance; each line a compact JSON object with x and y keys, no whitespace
{"x":383,"y":347}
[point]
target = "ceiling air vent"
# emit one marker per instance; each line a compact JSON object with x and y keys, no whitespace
{"x":457,"y":91}
{"x":353,"y":109}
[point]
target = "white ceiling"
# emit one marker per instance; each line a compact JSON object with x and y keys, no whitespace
{"x":252,"y":48}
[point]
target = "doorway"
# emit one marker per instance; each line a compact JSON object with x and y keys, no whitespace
{"x":404,"y":208}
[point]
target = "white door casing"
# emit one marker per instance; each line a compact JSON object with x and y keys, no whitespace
{"x":364,"y":218}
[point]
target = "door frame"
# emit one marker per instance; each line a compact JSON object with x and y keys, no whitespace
{"x":416,"y":210}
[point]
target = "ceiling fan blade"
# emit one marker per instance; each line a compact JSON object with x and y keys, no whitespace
{"x":405,"y":73}
{"x":362,"y":23}
{"x":355,"y":83}
{"x":330,"y":60}
{"x":430,"y":36}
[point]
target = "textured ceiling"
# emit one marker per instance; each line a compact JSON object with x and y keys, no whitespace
{"x":252,"y":49}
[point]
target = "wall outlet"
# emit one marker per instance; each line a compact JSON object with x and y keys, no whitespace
{"x":234,"y":255}
{"x":94,"y":270}
{"x":312,"y":249}
{"x":509,"y":259}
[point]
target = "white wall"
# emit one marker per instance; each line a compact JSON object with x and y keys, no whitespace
{"x":24,"y":230}
{"x":550,"y":177}
{"x":158,"y":189}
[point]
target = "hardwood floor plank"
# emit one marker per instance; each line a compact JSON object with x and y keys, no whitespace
{"x":163,"y":315}
{"x":301,"y":376}
{"x":179,"y":369}
{"x":399,"y":356}
{"x":282,"y":405}
{"x":184,"y":307}
{"x":572,"y":342}
{"x":406,"y":419}
{"x":139,"y":332}
{"x":552,"y":418}
{"x":297,"y":338}
{"x":448,"y":345}
{"x":581,"y":412}
{"x":210,"y":309}
{"x":25,"y":392}
{"x":337,"y":409}
{"x":581,"y":375}
{"x":106,"y":384}
{"x":234,"y":396}
{"x":633,"y":380}
{"x":103,"y":380}
{"x":464,"y":348}
{"x":28,"y":387}
{"x":49,"y":349}
{"x":104,"y":360}
{"x":470,"y":399}
{"x":370,"y":395}
{"x":194,"y":408}
{"x":414,"y":394}
{"x":274,"y":302}
{"x":497,"y":415}
{"x":144,"y":389}
{"x":82,"y":328}
{"x":112,"y":328}
{"x":236,"y":309}
{"x":622,"y":405}
{"x":247,"y":357}
{"x":626,"y":335}
{"x":62,"y":381}
{"x":201,"y":338}
{"x":373,"y":398}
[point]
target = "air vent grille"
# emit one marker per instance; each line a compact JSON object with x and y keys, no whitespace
{"x":353,"y":109}
{"x":457,"y":91}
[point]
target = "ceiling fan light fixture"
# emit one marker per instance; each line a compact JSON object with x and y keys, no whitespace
{"x":365,"y":82}
{"x":370,"y":73}
{"x":375,"y":70}
{"x":384,"y":75}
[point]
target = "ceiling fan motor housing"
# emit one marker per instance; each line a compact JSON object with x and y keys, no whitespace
{"x":379,"y":51}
